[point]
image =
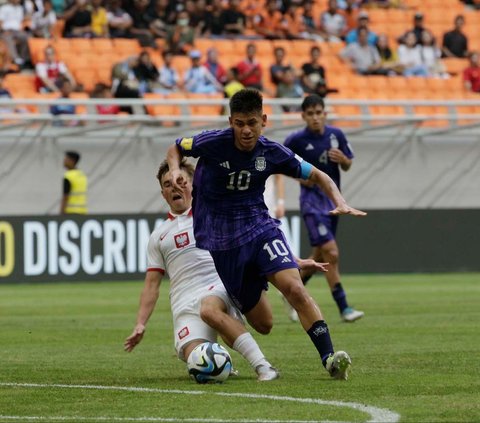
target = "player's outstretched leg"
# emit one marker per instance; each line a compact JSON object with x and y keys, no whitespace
{"x":214,"y":312}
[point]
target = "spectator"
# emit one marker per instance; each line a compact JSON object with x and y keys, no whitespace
{"x":66,"y":89}
{"x":140,"y":28}
{"x":332,"y":23}
{"x":311,"y":30}
{"x":43,"y":20}
{"x":352,"y":36}
{"x":169,"y":79}
{"x":6,"y":63}
{"x":279,"y":68}
{"x":289,"y":88}
{"x":4,"y":94}
{"x":350,"y":13}
{"x":99,"y":19}
{"x":78,"y":20}
{"x":410,"y":56}
{"x":198,"y":17}
{"x":388,"y":56}
{"x":268,"y":24}
{"x":13,"y":34}
{"x":233,"y":20}
{"x":181,"y":37}
{"x":215,"y":68}
{"x":417,"y":30}
{"x":471,"y":75}
{"x":313,"y":74}
{"x":431,"y":55}
{"x":362,"y":56}
{"x":198,"y":78}
{"x":51,"y":72}
{"x":102,"y":90}
{"x":455,"y":43}
{"x":384,"y":4}
{"x":161,"y":16}
{"x":124,"y":82}
{"x":233,"y":85}
{"x":213,"y":26}
{"x":292,"y":23}
{"x":119,"y":21}
{"x":249,"y":70}
{"x":146,"y":73}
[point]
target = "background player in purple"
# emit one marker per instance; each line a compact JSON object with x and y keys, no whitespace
{"x":327,"y":149}
{"x":232,"y":221}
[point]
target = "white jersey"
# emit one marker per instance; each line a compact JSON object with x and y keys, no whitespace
{"x":172,"y":249}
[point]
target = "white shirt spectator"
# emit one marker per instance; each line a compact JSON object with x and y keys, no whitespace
{"x":333,"y":25}
{"x":42,"y":24}
{"x":11,"y":17}
{"x":410,"y":56}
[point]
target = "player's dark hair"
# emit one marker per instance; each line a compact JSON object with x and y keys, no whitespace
{"x":246,"y":101}
{"x":73,"y":155}
{"x":184,"y":165}
{"x":312,"y":101}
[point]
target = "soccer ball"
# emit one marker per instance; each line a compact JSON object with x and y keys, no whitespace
{"x":209,"y":362}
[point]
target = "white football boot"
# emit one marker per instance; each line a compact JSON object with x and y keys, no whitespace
{"x":350,"y":314}
{"x":338,"y":365}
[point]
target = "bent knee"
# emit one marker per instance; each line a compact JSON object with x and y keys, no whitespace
{"x":263,"y":327}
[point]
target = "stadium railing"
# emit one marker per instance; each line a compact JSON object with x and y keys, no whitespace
{"x":355,"y":114}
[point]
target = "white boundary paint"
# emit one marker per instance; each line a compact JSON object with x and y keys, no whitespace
{"x":379,"y":415}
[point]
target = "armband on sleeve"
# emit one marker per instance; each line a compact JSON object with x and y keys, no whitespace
{"x":305,"y":170}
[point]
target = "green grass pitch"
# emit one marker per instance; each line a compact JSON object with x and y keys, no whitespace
{"x":415,"y":353}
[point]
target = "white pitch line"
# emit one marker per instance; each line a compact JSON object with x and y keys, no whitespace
{"x":150,"y":419}
{"x":377,"y":415}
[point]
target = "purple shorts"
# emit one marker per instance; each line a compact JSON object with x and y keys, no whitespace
{"x":321,"y":228}
{"x":244,"y":270}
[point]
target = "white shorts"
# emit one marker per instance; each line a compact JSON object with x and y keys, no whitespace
{"x":188,"y":326}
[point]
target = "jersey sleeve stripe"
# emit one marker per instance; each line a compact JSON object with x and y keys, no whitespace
{"x":156,"y":269}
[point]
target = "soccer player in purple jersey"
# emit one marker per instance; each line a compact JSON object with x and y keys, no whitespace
{"x":232,"y":221}
{"x":327,"y":149}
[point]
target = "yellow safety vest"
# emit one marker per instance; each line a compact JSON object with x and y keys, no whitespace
{"x":77,"y":197}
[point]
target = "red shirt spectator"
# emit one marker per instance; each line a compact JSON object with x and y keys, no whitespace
{"x":249,"y":70}
{"x":471,"y":75}
{"x":50,"y":71}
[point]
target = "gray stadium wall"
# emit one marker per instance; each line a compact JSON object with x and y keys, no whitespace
{"x":112,"y":247}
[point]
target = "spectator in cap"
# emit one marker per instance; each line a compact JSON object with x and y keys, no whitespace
{"x":198,"y":78}
{"x":363,"y":20}
{"x":417,"y":29}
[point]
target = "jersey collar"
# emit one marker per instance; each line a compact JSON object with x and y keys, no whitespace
{"x":173,"y":216}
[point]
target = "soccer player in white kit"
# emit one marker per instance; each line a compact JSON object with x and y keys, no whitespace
{"x":197,"y":295}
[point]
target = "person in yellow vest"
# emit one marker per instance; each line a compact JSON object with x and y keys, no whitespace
{"x":74,"y":200}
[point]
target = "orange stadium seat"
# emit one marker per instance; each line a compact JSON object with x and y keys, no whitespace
{"x":19,"y":81}
{"x":163,"y":109}
{"x":81,"y":45}
{"x":37,"y":47}
{"x":206,"y":109}
{"x":102,"y":45}
{"x":126,"y":47}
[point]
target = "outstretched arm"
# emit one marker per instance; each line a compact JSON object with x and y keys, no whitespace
{"x":327,"y":185}
{"x":174,"y":158}
{"x":311,"y":266}
{"x":148,"y":300}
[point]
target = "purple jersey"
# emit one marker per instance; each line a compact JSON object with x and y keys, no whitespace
{"x":228,"y":206}
{"x":313,"y":147}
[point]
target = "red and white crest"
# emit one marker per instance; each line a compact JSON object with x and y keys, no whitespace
{"x":182,"y":333}
{"x":182,"y":240}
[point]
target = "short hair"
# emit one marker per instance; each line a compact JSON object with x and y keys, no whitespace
{"x":312,"y":101}
{"x":246,"y":101}
{"x":73,"y":155}
{"x":184,"y":165}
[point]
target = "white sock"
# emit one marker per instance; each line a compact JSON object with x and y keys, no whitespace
{"x":248,"y":347}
